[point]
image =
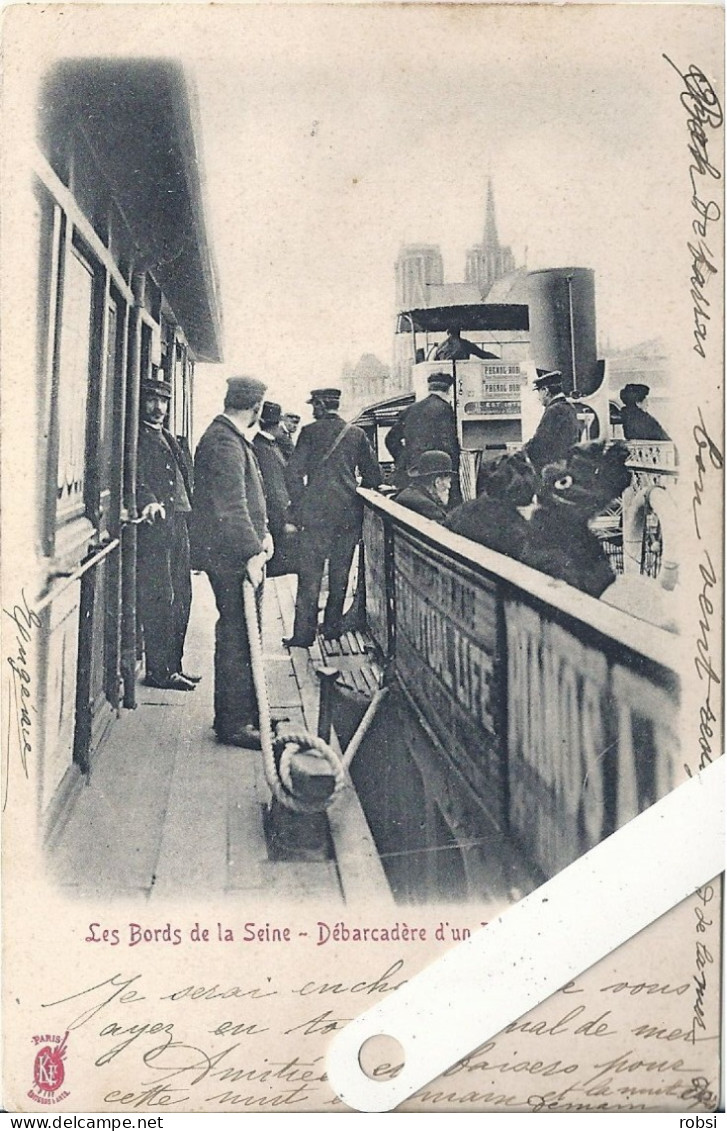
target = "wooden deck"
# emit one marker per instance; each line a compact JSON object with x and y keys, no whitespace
{"x":168,"y":810}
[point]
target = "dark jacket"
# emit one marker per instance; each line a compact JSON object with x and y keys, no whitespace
{"x":491,"y":522}
{"x":272,"y":468}
{"x":229,"y":515}
{"x":640,"y":425}
{"x":425,"y":426}
{"x":323,"y":490}
{"x":560,"y":543}
{"x":555,"y":435}
{"x":156,"y":474}
{"x":459,"y":349}
{"x":419,"y":498}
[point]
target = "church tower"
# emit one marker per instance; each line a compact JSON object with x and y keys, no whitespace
{"x":488,"y":261}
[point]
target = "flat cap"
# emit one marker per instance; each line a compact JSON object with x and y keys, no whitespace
{"x":547,"y":378}
{"x":153,"y":387}
{"x":440,"y":382}
{"x":244,"y":392}
{"x":326,"y":396}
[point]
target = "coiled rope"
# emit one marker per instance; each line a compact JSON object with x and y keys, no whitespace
{"x":278,"y":753}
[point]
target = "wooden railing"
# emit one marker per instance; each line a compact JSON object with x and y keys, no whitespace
{"x":557,"y":711}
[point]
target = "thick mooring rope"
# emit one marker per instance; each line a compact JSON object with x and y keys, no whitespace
{"x":279,"y":752}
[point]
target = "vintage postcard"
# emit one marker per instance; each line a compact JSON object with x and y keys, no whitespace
{"x":362,"y":527}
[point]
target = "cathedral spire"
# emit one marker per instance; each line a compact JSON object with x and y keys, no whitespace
{"x":490,"y":241}
{"x":489,"y":261}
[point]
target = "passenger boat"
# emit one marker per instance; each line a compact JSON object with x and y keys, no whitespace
{"x":524,"y":721}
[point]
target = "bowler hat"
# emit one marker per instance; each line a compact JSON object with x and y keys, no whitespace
{"x":329,"y":397}
{"x":440,"y":381}
{"x":270,"y":413}
{"x":155,"y":388}
{"x":548,"y":379}
{"x":244,"y":392}
{"x":431,"y":463}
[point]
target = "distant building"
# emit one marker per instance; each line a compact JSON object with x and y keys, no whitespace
{"x":489,"y":261}
{"x":418,"y":267}
{"x":362,"y":384}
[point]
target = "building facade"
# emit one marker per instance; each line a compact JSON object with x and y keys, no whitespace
{"x":418,"y":267}
{"x":120,"y":285}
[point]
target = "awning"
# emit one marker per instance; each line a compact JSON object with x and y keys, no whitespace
{"x":139,"y":118}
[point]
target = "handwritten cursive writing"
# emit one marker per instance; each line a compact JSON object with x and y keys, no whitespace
{"x":705,"y":447}
{"x":703,"y":959}
{"x":704,"y":113}
{"x":25,"y":620}
{"x":227,"y":1047}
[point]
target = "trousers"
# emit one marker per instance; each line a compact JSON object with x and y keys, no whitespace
{"x":235,"y":699}
{"x":164,"y":594}
{"x":316,"y":548}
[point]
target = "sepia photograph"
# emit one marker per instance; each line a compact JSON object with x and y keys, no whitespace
{"x":362,"y":534}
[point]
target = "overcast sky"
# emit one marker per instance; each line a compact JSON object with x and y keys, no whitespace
{"x":330,"y":135}
{"x":331,"y":139}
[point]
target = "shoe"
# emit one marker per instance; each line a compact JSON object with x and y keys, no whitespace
{"x":247,"y":737}
{"x":332,"y":635}
{"x":293,"y":642}
{"x":175,"y":682}
{"x":191,"y":678}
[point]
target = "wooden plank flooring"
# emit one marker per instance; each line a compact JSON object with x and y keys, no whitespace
{"x":169,"y":810}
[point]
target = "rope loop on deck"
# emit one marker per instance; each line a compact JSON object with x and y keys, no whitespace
{"x":286,"y":746}
{"x":279,"y":752}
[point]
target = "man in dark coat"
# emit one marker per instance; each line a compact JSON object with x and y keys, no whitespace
{"x":272,"y":468}
{"x":322,"y":482}
{"x":231,"y":543}
{"x":493,"y":518}
{"x":558,"y":429}
{"x":637,"y":423}
{"x":425,"y":426}
{"x":456,"y":348}
{"x":164,"y":588}
{"x":430,"y":483}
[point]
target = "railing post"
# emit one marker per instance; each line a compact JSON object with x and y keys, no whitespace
{"x":327,"y":678}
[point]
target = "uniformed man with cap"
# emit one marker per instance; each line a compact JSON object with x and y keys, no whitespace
{"x":430,"y":483}
{"x":322,"y":478}
{"x":558,"y":429}
{"x":231,"y":542}
{"x":425,"y":426}
{"x":164,"y":588}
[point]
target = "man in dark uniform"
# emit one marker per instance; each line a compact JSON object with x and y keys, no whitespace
{"x":456,"y":348}
{"x":558,"y":429}
{"x":322,"y":481}
{"x":430,"y":483}
{"x":425,"y":426}
{"x":231,"y":543}
{"x":272,"y":468}
{"x":164,"y":587}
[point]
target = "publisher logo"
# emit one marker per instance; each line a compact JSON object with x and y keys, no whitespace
{"x":49,"y":1070}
